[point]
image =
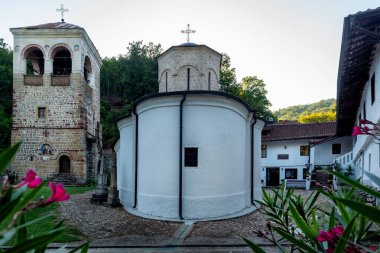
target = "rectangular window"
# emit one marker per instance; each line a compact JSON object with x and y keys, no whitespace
{"x":305,"y":173}
{"x":282,"y":156}
{"x":336,"y":148}
{"x":290,"y":173}
{"x":41,"y":112}
{"x":191,"y":157}
{"x":304,"y":150}
{"x":263,"y":151}
{"x":373,"y":89}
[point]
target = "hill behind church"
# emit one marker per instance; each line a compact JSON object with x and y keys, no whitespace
{"x":296,"y":111}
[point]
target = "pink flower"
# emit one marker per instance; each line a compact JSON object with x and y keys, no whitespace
{"x":58,"y":193}
{"x":31,"y":179}
{"x":356,"y":131}
{"x":331,"y":236}
{"x":364,"y":121}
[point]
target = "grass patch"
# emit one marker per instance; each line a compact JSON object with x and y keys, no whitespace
{"x":53,"y":211}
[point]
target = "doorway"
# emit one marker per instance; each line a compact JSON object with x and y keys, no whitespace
{"x":273,"y":177}
{"x":64,"y":164}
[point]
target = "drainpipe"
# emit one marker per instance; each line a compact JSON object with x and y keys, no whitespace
{"x":252,"y":155}
{"x":180,"y":155}
{"x":136,"y":153}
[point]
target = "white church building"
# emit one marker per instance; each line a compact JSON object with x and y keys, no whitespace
{"x":189,"y":151}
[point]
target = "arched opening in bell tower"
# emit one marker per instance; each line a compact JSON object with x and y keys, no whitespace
{"x":62,"y":63}
{"x":34,"y":61}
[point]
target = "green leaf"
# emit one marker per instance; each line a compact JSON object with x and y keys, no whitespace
{"x":35,"y":243}
{"x":59,"y":224}
{"x":28,"y":197}
{"x":7,"y":204}
{"x":297,"y":242}
{"x":85,"y":247}
{"x":7,"y":155}
{"x":253,"y":246}
{"x":7,"y":236}
{"x":372,"y":213}
{"x":341,"y":245}
{"x":310,"y":203}
{"x":355,"y":183}
{"x":22,"y":233}
{"x":332,"y":218}
{"x":301,"y":222}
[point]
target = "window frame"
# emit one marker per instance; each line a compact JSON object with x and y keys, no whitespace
{"x":189,"y":159}
{"x":264,"y":147}
{"x":307,"y":149}
{"x":333,"y":150}
{"x":291,"y":169}
{"x":41,"y":109}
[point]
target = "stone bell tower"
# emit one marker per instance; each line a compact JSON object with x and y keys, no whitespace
{"x":56,"y":100}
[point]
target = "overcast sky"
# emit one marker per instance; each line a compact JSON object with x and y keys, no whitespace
{"x":293,"y":45}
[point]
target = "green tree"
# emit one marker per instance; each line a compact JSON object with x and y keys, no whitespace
{"x":251,"y":89}
{"x":227,"y":75}
{"x":6,"y":62}
{"x":317,"y":117}
{"x":125,"y":79}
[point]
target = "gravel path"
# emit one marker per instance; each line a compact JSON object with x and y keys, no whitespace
{"x":100,"y":222}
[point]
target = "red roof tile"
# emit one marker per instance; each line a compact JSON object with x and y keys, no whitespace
{"x":278,"y":132}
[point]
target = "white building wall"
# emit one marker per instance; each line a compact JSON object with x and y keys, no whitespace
{"x":126,"y":161}
{"x":322,"y":155}
{"x":290,"y":147}
{"x":219,"y":127}
{"x":366,"y":145}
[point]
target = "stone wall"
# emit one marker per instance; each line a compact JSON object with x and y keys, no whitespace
{"x":72,"y":118}
{"x":69,"y":142}
{"x":203,"y":62}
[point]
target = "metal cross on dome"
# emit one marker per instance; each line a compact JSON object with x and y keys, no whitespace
{"x":62,"y":10}
{"x":188,"y":31}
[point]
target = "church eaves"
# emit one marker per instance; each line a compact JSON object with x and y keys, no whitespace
{"x":57,"y":25}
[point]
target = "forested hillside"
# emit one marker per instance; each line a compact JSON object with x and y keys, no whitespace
{"x":321,"y":111}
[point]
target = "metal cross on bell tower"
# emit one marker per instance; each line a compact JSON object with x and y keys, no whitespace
{"x":188,"y":31}
{"x":62,"y":10}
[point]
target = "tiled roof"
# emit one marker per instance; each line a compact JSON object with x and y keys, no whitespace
{"x":359,"y":42}
{"x":278,"y":132}
{"x":58,"y":25}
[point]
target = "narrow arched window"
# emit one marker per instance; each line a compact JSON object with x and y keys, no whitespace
{"x":87,"y":69}
{"x":166,"y":81}
{"x":34,"y":61}
{"x":62,"y":62}
{"x":188,"y":78}
{"x":209,"y":80}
